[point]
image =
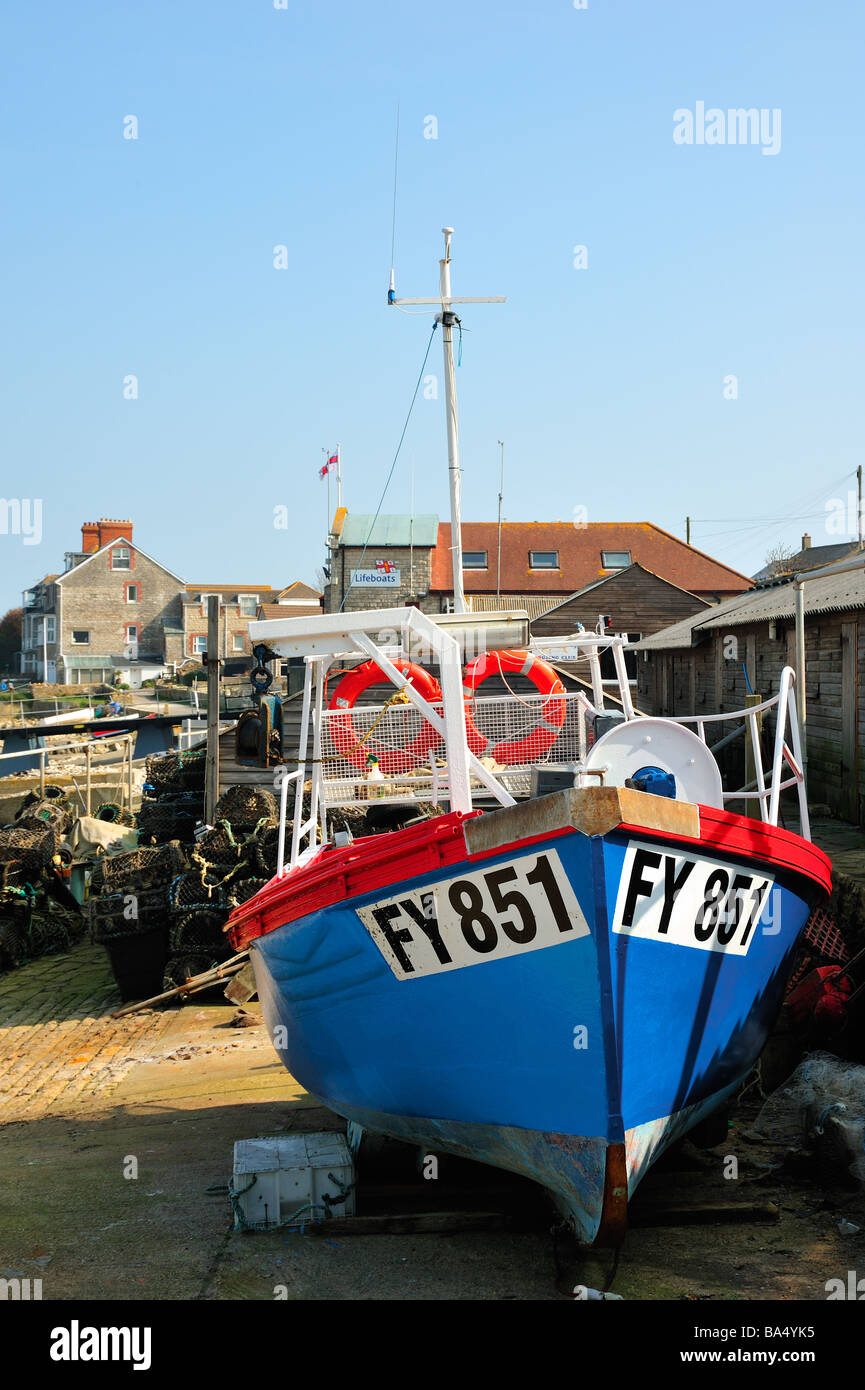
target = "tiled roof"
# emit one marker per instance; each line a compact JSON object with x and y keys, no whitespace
{"x":299,"y":592}
{"x":579,"y":551}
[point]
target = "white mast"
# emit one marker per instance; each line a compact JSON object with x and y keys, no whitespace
{"x":447,"y":319}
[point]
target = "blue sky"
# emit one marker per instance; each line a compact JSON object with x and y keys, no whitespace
{"x":261,"y":127}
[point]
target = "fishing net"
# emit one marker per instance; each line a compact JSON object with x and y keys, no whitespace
{"x":822,"y":1102}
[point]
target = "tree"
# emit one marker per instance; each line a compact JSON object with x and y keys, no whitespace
{"x":10,"y":640}
{"x":777,"y":559}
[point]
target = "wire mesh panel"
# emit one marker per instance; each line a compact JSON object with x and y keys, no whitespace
{"x":509,"y":734}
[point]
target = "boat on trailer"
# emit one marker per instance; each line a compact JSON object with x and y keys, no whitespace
{"x":557,"y":984}
{"x":561,"y":984}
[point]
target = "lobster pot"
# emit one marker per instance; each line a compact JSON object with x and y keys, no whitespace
{"x":12,"y":875}
{"x":53,"y":928}
{"x":180,"y":966}
{"x":42,"y":814}
{"x":240,"y":890}
{"x":265,"y":850}
{"x":140,"y":869}
{"x":171,"y":818}
{"x":56,"y":795}
{"x":126,"y":914}
{"x":15,"y":914}
{"x":247,"y":808}
{"x":218,"y":845}
{"x":33,"y":849}
{"x":114,"y":814}
{"x":510,"y":734}
{"x":195,"y":890}
{"x":200,"y":931}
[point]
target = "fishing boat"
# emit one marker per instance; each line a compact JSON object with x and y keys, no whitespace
{"x":560,"y":983}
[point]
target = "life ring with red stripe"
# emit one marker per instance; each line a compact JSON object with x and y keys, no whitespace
{"x":552,"y":713}
{"x":341,"y":727}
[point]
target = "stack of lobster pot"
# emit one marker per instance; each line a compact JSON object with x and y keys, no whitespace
{"x":128,"y":911}
{"x":173,"y":802}
{"x":38,"y":914}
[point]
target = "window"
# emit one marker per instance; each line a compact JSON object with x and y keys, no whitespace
{"x":248,"y":605}
{"x":198,"y":644}
{"x":608,"y":666}
{"x":474,"y":559}
{"x":120,"y":558}
{"x":132,"y":593}
{"x":543,"y":559}
{"x":238,"y":641}
{"x":132,"y":632}
{"x":50,"y":628}
{"x":80,"y":637}
{"x":615,"y":559}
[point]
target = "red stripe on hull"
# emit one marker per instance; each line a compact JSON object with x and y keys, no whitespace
{"x":379,"y":861}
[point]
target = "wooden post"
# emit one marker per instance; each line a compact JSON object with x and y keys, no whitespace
{"x":211,"y":784}
{"x":87,"y":751}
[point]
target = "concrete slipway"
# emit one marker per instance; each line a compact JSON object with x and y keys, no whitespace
{"x":82,"y":1094}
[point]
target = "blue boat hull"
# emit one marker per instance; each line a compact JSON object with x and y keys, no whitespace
{"x":570,"y":1042}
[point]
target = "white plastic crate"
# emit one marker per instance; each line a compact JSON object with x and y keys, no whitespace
{"x":284,"y":1180}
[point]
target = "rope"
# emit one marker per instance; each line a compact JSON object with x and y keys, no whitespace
{"x":393,"y":465}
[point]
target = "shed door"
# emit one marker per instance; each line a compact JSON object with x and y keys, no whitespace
{"x":849,"y":706}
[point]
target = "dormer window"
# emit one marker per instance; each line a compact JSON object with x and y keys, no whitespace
{"x":248,"y":605}
{"x":120,"y":558}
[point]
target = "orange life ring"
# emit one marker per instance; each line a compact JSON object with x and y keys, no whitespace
{"x":342,"y":731}
{"x":552,"y":713}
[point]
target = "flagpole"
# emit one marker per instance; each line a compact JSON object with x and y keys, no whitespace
{"x":338,"y":478}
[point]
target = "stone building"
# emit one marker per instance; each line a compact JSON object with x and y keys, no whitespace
{"x":109,"y":610}
{"x":403,"y":559}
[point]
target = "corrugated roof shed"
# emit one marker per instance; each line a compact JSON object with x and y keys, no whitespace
{"x":832,"y":593}
{"x":389,"y":530}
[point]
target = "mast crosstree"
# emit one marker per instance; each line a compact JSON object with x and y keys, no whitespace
{"x":447,"y":318}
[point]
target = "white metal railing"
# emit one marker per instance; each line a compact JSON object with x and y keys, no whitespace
{"x":457,"y":758}
{"x":126,"y":743}
{"x":769,"y":796}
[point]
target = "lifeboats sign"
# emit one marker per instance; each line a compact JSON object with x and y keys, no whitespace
{"x":688,"y":900}
{"x":384,"y":576}
{"x":525,"y":905}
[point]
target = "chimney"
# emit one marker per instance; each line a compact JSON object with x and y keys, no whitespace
{"x":95,"y":534}
{"x":806,"y":541}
